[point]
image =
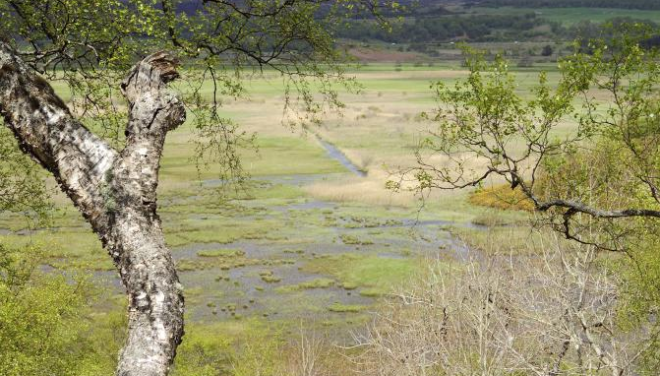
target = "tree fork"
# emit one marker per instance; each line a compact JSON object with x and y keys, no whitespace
{"x":115,"y":192}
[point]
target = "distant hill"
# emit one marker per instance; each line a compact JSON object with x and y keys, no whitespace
{"x":430,"y":22}
{"x":190,"y":6}
{"x":619,"y":4}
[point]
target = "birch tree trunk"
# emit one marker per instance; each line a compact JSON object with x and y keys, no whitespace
{"x":114,"y":191}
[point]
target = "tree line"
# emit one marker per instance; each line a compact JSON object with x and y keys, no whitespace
{"x":477,"y":28}
{"x":442,"y":29}
{"x":619,"y":4}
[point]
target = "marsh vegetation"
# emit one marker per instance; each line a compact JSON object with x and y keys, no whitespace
{"x":439,"y":209}
{"x":309,"y":237}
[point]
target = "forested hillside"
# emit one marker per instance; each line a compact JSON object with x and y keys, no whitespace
{"x":620,"y":4}
{"x":456,"y":26}
{"x":427,"y":25}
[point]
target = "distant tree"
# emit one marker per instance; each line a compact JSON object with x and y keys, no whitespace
{"x":97,"y":47}
{"x":652,"y":42}
{"x":622,"y":4}
{"x":437,"y":28}
{"x":484,"y":119}
{"x":547,"y":50}
{"x":603,"y":173}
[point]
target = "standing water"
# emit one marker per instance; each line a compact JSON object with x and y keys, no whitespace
{"x":336,"y":154}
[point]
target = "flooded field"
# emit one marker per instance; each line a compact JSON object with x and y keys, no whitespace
{"x":314,"y":235}
{"x":292,"y":255}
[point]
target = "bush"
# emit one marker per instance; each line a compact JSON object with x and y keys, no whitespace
{"x":547,"y":51}
{"x":41,"y":326}
{"x":501,"y":197}
{"x":553,"y":312}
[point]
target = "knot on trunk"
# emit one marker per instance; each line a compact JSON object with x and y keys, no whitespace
{"x":156,"y":69}
{"x":151,"y":104}
{"x":165,"y":64}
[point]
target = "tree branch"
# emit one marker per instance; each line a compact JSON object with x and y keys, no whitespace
{"x":46,"y":130}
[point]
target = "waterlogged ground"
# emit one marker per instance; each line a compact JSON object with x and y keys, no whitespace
{"x":304,"y":256}
{"x":277,"y":254}
{"x":315,"y":236}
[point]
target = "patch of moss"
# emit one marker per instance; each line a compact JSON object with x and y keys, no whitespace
{"x":349,"y":285}
{"x":346,"y":308}
{"x":221,"y":253}
{"x":269,"y":277}
{"x":371,"y":293}
{"x":294,"y":251}
{"x":354,"y":240}
{"x":319,"y":283}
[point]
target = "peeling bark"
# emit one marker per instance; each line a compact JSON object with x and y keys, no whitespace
{"x":115,"y":191}
{"x":136,"y":239}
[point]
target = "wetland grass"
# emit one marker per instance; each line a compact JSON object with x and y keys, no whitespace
{"x":286,"y":246}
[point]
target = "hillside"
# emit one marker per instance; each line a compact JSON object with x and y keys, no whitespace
{"x":524,"y":30}
{"x":618,"y":4}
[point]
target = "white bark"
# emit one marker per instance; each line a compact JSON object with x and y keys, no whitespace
{"x":86,"y":168}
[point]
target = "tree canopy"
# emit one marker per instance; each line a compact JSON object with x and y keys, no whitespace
{"x":484,"y":118}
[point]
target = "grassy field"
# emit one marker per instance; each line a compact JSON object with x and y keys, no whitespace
{"x":309,"y":238}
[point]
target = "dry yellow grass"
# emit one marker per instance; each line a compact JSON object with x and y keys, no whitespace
{"x":501,"y":197}
{"x":369,"y":190}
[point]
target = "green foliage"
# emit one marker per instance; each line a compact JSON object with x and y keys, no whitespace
{"x":641,"y":290}
{"x":41,"y":324}
{"x":73,"y":34}
{"x":619,"y":124}
{"x":623,"y":4}
{"x":482,"y":118}
{"x":259,"y":353}
{"x":203,"y":353}
{"x":608,"y":164}
{"x":22,"y":186}
{"x":620,"y":169}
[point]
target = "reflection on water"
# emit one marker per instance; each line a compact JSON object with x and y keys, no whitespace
{"x":336,"y":154}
